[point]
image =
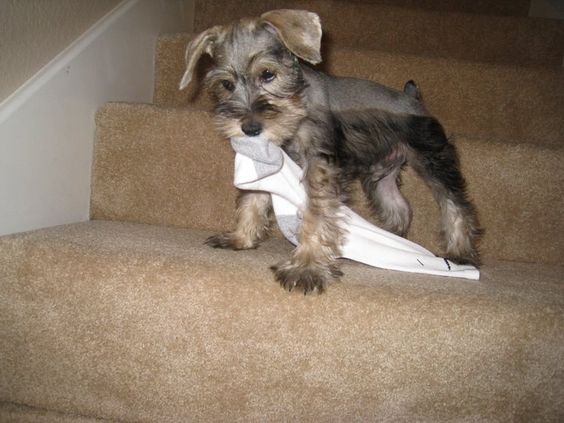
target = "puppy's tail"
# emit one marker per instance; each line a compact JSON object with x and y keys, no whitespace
{"x":412,"y":90}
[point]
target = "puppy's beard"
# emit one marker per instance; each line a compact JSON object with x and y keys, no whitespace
{"x":285,"y":125}
{"x":277,"y":134}
{"x":228,"y":127}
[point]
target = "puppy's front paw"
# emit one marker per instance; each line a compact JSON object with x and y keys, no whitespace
{"x":306,"y":278}
{"x":230,"y":241}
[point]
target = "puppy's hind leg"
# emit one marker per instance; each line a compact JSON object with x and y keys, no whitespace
{"x":435,"y":159}
{"x":387,"y":200}
{"x":254,"y":217}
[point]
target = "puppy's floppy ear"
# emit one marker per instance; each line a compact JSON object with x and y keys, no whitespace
{"x":203,"y":43}
{"x":299,"y":31}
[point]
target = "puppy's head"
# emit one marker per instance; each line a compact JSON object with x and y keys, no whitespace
{"x":256,"y":82}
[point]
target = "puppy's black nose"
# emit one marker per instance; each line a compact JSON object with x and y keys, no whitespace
{"x":251,"y":128}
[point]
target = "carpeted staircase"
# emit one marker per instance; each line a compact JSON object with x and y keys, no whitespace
{"x":129,"y":317}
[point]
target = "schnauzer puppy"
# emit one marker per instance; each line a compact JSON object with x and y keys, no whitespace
{"x":337,"y":129}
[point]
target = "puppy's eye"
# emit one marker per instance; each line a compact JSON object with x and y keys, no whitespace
{"x":228,"y":85}
{"x":267,"y":76}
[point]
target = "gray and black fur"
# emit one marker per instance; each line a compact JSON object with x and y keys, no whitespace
{"x":338,"y":130}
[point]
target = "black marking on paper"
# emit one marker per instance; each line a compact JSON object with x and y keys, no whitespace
{"x":447,"y":263}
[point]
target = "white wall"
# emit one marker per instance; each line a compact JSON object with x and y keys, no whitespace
{"x":47,"y":126}
{"x":29,"y":40}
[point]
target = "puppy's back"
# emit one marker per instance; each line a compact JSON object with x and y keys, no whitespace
{"x":345,"y":94}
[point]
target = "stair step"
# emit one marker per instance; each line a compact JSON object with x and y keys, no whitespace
{"x":151,"y":325}
{"x":503,"y":102}
{"x":169,"y":167}
{"x":494,"y":39}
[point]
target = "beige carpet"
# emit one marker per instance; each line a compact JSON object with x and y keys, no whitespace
{"x":131,"y":318}
{"x":144,"y":322}
{"x":17,"y":413}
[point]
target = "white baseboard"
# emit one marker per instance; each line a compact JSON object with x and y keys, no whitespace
{"x":47,"y":126}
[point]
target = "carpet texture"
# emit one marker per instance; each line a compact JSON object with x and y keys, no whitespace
{"x":17,"y":413}
{"x":151,"y":324}
{"x":130,"y":317}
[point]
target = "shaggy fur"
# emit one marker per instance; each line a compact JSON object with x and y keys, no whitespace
{"x":338,"y":130}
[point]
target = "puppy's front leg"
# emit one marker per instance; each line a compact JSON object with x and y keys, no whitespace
{"x":313,"y":264}
{"x":254,"y":210}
